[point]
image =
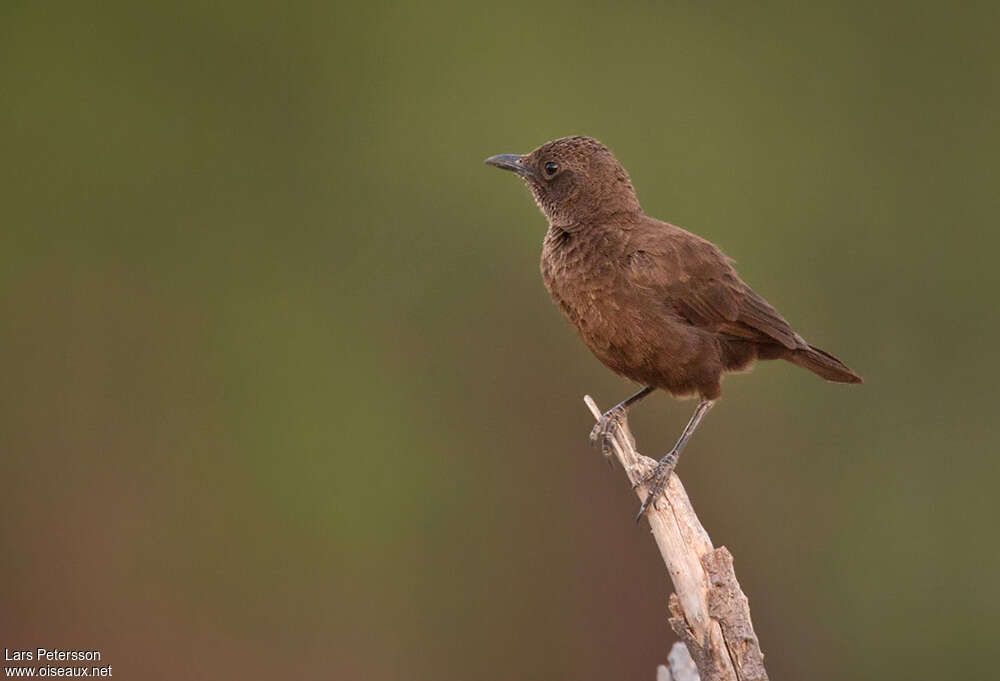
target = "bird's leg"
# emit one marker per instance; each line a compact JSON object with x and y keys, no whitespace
{"x":604,"y":431}
{"x":657,"y":478}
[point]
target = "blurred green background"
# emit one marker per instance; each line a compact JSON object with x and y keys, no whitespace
{"x":283,"y":395}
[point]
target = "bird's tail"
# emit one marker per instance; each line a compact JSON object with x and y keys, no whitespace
{"x":823,"y":364}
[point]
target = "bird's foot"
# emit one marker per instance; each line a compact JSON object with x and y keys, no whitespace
{"x":656,"y":479}
{"x":603,"y":433}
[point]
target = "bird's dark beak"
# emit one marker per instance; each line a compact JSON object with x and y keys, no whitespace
{"x":511,"y":162}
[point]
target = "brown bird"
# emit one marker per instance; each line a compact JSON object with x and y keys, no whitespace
{"x":655,"y":303}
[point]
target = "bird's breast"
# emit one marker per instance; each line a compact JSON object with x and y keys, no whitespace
{"x":628,"y":324}
{"x":591,"y":287}
{"x":578,"y":276}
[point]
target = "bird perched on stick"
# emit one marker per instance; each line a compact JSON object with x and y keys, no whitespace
{"x":655,"y":303}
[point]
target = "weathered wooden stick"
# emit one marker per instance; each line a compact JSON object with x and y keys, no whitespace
{"x":709,"y":611}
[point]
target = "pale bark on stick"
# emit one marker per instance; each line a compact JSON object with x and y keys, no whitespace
{"x":679,"y":667}
{"x":709,"y":611}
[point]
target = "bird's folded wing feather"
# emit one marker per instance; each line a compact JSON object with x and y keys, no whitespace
{"x":699,"y":281}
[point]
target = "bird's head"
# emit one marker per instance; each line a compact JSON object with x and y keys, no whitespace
{"x":576,"y":181}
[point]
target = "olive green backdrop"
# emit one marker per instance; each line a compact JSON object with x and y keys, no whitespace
{"x":283,"y":395}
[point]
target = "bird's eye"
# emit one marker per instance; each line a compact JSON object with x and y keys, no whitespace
{"x":551,"y":168}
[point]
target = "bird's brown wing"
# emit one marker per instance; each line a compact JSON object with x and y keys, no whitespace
{"x":699,"y":281}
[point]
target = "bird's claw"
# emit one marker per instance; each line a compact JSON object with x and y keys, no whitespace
{"x":603,"y":432}
{"x":657,"y":479}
